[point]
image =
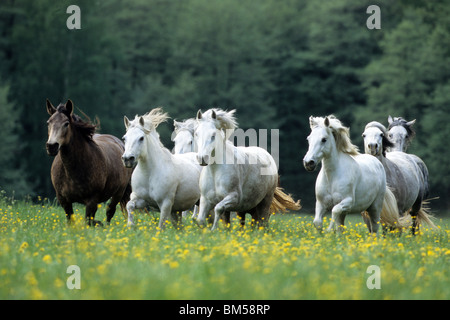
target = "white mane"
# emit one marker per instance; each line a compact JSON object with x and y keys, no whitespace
{"x":223,"y":120}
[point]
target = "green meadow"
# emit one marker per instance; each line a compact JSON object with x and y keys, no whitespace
{"x":291,"y":260}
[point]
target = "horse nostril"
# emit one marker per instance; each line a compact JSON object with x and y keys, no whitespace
{"x":129,"y":162}
{"x":52,"y":148}
{"x":309,"y":165}
{"x":203,"y":160}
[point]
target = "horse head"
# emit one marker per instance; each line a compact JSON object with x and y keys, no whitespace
{"x":59,"y":126}
{"x":319,"y":142}
{"x":401,"y":133}
{"x":376,"y":139}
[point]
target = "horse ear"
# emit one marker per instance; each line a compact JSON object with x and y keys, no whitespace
{"x":311,"y":122}
{"x":176,"y":124}
{"x":50,"y":108}
{"x":327,"y":122}
{"x":69,"y":106}
{"x":126,"y":122}
{"x":213,"y":115}
{"x":410,"y":123}
{"x":390,"y":120}
{"x":199,"y":114}
{"x":141,"y":121}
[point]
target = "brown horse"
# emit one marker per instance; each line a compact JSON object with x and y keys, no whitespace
{"x":87,"y":167}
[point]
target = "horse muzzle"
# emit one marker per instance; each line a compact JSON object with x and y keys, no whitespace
{"x":203,"y":160}
{"x":129,"y":162}
{"x":52,"y":149}
{"x":373,"y":149}
{"x":309,"y":165}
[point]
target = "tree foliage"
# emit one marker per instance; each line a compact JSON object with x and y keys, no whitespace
{"x":276,"y":62}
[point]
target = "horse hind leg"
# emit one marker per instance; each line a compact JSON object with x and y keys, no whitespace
{"x":261,"y":214}
{"x":372,"y":218}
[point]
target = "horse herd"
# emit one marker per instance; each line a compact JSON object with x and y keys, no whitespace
{"x":206,"y":171}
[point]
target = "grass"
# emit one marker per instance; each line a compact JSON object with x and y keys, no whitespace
{"x":290,"y":261}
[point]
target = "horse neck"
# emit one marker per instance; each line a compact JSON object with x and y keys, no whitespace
{"x":78,"y":155}
{"x":332,"y":162}
{"x":227,"y":154}
{"x":156,"y":155}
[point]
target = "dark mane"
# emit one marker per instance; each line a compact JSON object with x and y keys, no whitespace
{"x":85,"y":127}
{"x":399,"y":121}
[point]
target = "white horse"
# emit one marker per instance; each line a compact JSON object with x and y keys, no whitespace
{"x":161,"y":180}
{"x":401,"y":133}
{"x":403,"y":175}
{"x":242,"y":179}
{"x":183,"y":136}
{"x":348,"y":182}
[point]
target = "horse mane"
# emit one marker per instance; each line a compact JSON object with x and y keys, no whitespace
{"x":188,"y":125}
{"x":385,"y":140}
{"x":152,"y":120}
{"x":399,"y":121}
{"x":340,"y":133}
{"x":85,"y":127}
{"x":225,"y":120}
{"x":155,"y":117}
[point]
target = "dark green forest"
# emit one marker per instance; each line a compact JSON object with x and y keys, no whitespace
{"x":275,"y":61}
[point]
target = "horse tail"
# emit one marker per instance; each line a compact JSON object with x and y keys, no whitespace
{"x":389,"y":213}
{"x":282,"y":202}
{"x":125,"y":199}
{"x":424,"y":215}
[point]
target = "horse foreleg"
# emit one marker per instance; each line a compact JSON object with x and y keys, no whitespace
{"x":318,"y":218}
{"x":204,"y":208}
{"x":227,"y":203}
{"x":68,"y":209}
{"x":91,"y":209}
{"x":339,"y":212}
{"x":166,"y":214}
{"x":132,"y":205}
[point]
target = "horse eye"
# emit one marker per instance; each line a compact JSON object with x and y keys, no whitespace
{"x":213,"y":137}
{"x":324,"y":140}
{"x":363,"y":135}
{"x":382,"y":135}
{"x":141,"y":139}
{"x":66,"y":124}
{"x":390,"y":135}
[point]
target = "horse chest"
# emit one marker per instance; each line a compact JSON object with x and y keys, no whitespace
{"x":331,"y":194}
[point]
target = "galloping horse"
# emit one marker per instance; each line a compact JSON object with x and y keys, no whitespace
{"x":183,"y":136}
{"x":401,"y":133}
{"x":162,"y":180}
{"x":242,"y":179}
{"x":87,"y":166}
{"x":348,"y":182}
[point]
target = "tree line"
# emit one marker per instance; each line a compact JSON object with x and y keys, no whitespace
{"x":276,"y":62}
